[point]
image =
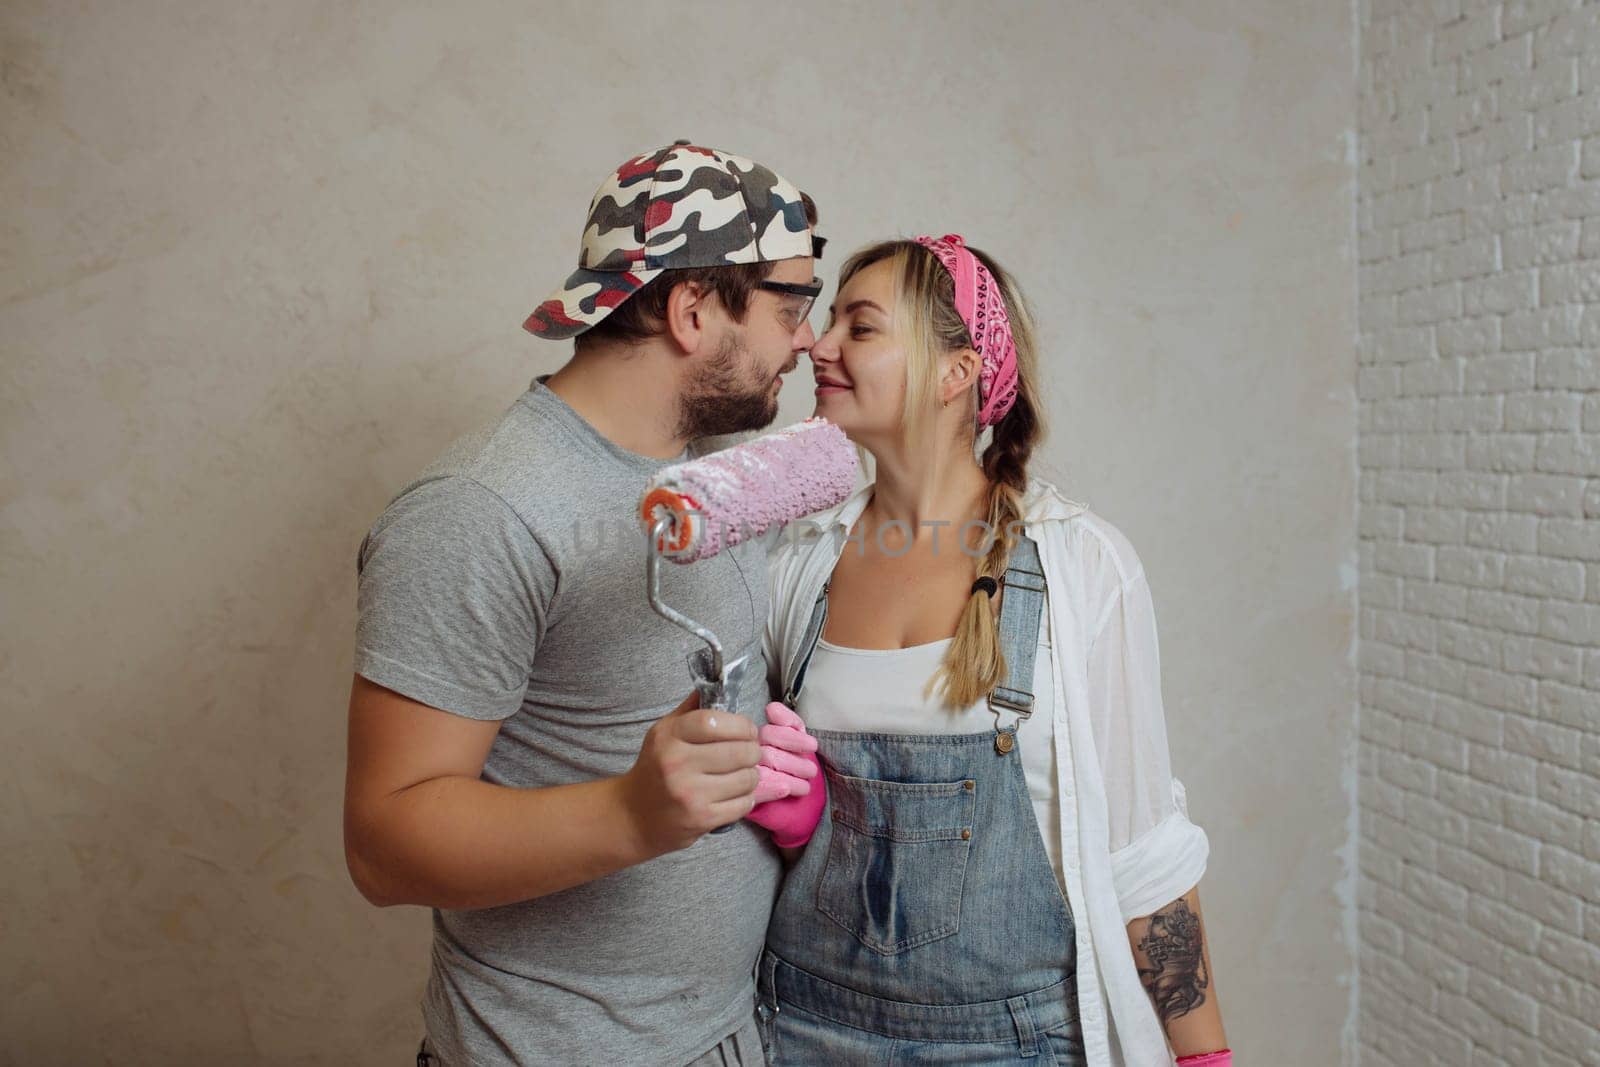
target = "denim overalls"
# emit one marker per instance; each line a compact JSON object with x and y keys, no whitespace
{"x":923,"y":922}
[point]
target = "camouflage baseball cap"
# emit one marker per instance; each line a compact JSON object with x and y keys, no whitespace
{"x":680,"y":206}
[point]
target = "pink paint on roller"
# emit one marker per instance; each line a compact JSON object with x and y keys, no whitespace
{"x":741,"y":492}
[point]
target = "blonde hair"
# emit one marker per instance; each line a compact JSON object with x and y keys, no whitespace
{"x":928,"y":326}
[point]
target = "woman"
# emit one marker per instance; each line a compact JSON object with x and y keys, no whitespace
{"x":1005,"y":870}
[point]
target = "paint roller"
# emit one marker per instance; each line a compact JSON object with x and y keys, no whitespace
{"x":696,"y":509}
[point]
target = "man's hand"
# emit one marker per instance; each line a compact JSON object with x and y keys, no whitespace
{"x":696,"y":771}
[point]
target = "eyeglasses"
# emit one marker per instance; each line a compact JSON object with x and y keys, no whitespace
{"x":792,"y":315}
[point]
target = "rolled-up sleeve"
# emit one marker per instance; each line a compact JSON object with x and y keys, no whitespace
{"x":1157,"y":854}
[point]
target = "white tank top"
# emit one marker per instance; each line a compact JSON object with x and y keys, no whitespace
{"x":871,"y":690}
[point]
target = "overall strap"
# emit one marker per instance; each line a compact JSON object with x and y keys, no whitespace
{"x":819,"y":615}
{"x":1021,"y":605}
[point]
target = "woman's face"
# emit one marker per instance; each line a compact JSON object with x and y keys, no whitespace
{"x":858,"y":363}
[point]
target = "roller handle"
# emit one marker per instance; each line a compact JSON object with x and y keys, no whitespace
{"x":717,"y":692}
{"x":715,"y":679}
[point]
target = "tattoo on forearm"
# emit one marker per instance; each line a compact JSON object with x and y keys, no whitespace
{"x":1176,"y":978}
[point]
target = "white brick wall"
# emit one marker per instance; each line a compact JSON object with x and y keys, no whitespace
{"x":1479,"y":239}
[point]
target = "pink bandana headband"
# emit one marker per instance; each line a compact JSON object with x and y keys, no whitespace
{"x":981,"y":307}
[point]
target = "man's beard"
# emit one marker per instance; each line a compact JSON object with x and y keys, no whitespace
{"x":722,"y":398}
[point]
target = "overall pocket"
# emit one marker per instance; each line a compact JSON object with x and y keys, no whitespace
{"x":897,"y":859}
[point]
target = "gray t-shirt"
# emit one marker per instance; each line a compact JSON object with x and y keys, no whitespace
{"x":508,"y":582}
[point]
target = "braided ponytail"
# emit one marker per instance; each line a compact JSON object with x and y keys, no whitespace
{"x":974,"y":663}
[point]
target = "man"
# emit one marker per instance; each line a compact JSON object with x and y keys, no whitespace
{"x":516,"y":761}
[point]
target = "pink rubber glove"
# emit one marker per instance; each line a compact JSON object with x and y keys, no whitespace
{"x":786,"y":767}
{"x":1220,"y":1058}
{"x":792,"y":819}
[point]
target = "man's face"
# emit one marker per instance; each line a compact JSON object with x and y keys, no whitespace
{"x":736,"y":387}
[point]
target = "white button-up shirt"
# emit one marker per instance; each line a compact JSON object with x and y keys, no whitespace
{"x":1127,"y":844}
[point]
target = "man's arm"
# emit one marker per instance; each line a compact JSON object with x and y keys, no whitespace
{"x":421,"y":827}
{"x":1175,"y":966}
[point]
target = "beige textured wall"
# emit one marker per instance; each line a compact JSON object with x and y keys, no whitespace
{"x":258,"y":263}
